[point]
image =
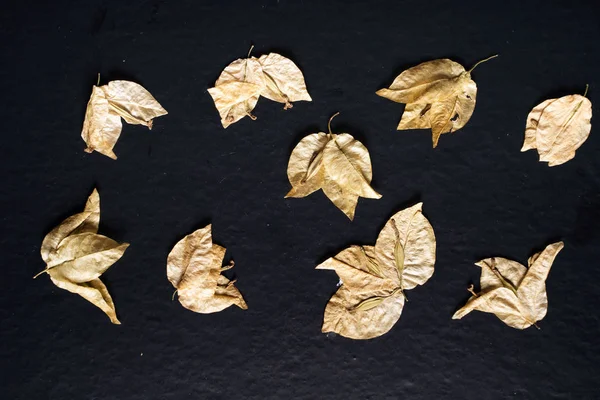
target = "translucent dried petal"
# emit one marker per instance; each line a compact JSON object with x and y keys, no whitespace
{"x":533,"y":119}
{"x":235,"y":100}
{"x":413,"y":232}
{"x":86,"y":221}
{"x":101,"y":127}
{"x":276,"y":78}
{"x":342,"y":198}
{"x":515,"y":294}
{"x":558,"y":127}
{"x":341,"y":317}
{"x":424,"y":83}
{"x":194,"y":268}
{"x":76,"y":256}
{"x":284,"y":81}
{"x":107,"y":105}
{"x":344,"y":313}
{"x":533,"y":285}
{"x":237,"y":90}
{"x":84,"y":257}
{"x":439,"y":94}
{"x":133,"y":103}
{"x":371,"y":298}
{"x":348,"y":164}
{"x":189,"y":257}
{"x":338,"y":164}
{"x":497,"y":272}
{"x":305,"y":168}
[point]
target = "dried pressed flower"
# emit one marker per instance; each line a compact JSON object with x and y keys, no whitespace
{"x":438,"y":94}
{"x":558,"y":127}
{"x":515,"y":294}
{"x":107,"y":105}
{"x":194,"y":268}
{"x":76,"y":256}
{"x":374,"y":278}
{"x":242,"y":82}
{"x":336,"y":163}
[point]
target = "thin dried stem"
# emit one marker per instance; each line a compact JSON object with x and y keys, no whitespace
{"x":228,"y":266}
{"x":586,"y":89}
{"x":98,"y":82}
{"x":329,"y":123}
{"x":470,"y":289}
{"x":40,"y":273}
{"x":482,"y":61}
{"x":174,"y":293}
{"x":250,"y":51}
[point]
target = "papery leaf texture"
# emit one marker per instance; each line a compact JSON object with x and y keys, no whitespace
{"x":374,"y":279}
{"x":439,"y":95}
{"x":76,"y":256}
{"x":194,"y":268}
{"x":107,"y":105}
{"x":558,"y":127}
{"x":514,"y":293}
{"x":242,"y":82}
{"x":336,"y":163}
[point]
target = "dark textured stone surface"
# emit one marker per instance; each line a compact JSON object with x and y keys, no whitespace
{"x":481,"y":194}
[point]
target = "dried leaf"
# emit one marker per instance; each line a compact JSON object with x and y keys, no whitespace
{"x":107,"y":105}
{"x":515,"y":294}
{"x":438,"y":94}
{"x":237,"y":90}
{"x":408,"y":242}
{"x":194,"y":268}
{"x":558,"y":127}
{"x":242,"y":82}
{"x":284,"y":81}
{"x":76,"y":256}
{"x":336,"y":163}
{"x":346,"y":313}
{"x":371,"y":298}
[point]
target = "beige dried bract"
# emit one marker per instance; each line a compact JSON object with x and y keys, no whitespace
{"x":336,"y":163}
{"x":242,"y":82}
{"x":515,"y":294}
{"x":558,"y":127}
{"x":374,"y":278}
{"x":76,"y":256}
{"x":194,"y":268}
{"x":438,"y":94}
{"x":107,"y":105}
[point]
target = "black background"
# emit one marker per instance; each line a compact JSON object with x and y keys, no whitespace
{"x":482,"y":196}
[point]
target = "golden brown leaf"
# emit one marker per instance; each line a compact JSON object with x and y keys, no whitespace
{"x":336,"y":163}
{"x":373,"y":278}
{"x":101,"y":127}
{"x":284,"y":81}
{"x":558,"y":127}
{"x":242,"y":82}
{"x":346,"y":313}
{"x":408,"y":237}
{"x":438,"y":94}
{"x":76,"y":256}
{"x":515,"y":294}
{"x":237,"y":90}
{"x":305,"y":168}
{"x":194,"y":268}
{"x":107,"y":105}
